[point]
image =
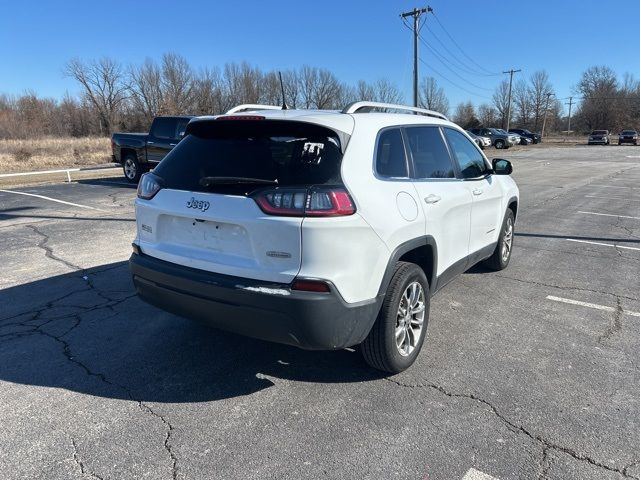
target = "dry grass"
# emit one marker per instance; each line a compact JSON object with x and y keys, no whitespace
{"x":52,"y":152}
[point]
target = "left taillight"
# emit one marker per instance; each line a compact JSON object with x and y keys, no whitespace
{"x":148,"y":186}
{"x":305,"y":202}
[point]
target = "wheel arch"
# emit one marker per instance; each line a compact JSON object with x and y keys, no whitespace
{"x":422,"y":251}
{"x":512,"y":205}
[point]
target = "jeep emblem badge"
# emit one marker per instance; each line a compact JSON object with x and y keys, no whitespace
{"x":201,"y":205}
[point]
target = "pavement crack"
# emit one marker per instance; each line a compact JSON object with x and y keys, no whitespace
{"x":66,"y":349}
{"x":564,"y":287}
{"x":48,"y":251}
{"x":616,"y":323}
{"x":80,"y":463}
{"x":545,"y":443}
{"x":544,"y":464}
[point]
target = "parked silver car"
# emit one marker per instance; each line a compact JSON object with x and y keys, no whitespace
{"x":499,"y":139}
{"x":482,"y":142}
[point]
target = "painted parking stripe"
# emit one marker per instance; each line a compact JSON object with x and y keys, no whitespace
{"x":474,"y":474}
{"x":609,"y":215}
{"x":614,"y":198}
{"x":52,"y":200}
{"x":613,"y":186}
{"x":590,"y":305}
{"x":602,"y":244}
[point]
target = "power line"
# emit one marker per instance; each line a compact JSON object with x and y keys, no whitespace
{"x":460,"y":48}
{"x":442,"y":60}
{"x":430,"y":67}
{"x":463,"y":66}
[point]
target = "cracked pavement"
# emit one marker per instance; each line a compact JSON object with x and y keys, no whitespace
{"x":96,"y":384}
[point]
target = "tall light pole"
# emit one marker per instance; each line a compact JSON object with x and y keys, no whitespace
{"x":569,"y":124}
{"x":415,"y":13}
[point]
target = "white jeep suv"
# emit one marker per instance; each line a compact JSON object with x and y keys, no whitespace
{"x":320,"y":229}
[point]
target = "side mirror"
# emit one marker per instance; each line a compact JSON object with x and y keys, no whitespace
{"x":501,"y":166}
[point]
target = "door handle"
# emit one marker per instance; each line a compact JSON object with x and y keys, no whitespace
{"x":477,"y":191}
{"x":149,"y":143}
{"x":432,"y":198}
{"x":172,"y":144}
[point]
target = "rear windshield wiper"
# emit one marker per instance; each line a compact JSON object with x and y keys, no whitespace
{"x":209,"y":181}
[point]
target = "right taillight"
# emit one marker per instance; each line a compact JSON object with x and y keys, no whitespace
{"x":305,"y":202}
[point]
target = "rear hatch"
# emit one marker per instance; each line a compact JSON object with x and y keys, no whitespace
{"x":233,"y":193}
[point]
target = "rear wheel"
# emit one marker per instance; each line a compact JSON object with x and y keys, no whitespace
{"x":395,"y":340}
{"x":131,"y":168}
{"x":502,"y":254}
{"x":499,"y":144}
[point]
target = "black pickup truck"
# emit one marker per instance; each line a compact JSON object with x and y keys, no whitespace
{"x":140,"y":152}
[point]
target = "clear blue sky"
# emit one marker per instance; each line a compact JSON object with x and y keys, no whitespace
{"x":354,"y":39}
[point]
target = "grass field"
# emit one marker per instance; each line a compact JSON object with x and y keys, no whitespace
{"x":50,"y":153}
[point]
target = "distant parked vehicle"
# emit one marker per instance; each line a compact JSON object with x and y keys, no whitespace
{"x":498,"y":139}
{"x":599,"y":137}
{"x":519,"y":140}
{"x":628,"y":136}
{"x":482,"y":142}
{"x":523,"y":132}
{"x":140,"y":152}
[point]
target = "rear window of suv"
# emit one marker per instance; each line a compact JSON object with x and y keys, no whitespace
{"x":289,"y":153}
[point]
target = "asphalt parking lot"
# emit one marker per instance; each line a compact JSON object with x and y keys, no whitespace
{"x":532,"y":372}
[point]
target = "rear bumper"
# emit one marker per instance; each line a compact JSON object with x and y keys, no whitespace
{"x":268,"y":311}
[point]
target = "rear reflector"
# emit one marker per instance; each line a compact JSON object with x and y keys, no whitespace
{"x":310,"y":286}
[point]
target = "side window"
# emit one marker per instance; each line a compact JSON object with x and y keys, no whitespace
{"x":180,"y":128}
{"x":391,"y":160}
{"x":164,"y":128}
{"x":430,"y":155}
{"x":470,"y":160}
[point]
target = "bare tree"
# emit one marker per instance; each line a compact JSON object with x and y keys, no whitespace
{"x":146,"y":88}
{"x":432,"y":96}
{"x":538,"y":89}
{"x":103,"y":83}
{"x":465,"y":115}
{"x":501,"y":101}
{"x":177,"y":84}
{"x":522,"y":103}
{"x":487,"y":115}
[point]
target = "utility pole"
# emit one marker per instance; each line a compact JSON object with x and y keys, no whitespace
{"x":415,"y":13}
{"x":544,"y":120}
{"x":569,"y":125}
{"x":510,"y":72}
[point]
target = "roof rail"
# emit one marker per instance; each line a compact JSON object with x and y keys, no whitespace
{"x":366,"y":107}
{"x":252,"y":106}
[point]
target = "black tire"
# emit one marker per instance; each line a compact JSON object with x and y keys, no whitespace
{"x":499,"y":144}
{"x":131,"y":168}
{"x":380,"y":349}
{"x":497,"y":261}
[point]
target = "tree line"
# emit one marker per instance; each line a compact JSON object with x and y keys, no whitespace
{"x":118,"y":97}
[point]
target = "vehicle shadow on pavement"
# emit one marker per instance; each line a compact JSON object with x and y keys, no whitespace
{"x":116,"y":182}
{"x":88,"y":332}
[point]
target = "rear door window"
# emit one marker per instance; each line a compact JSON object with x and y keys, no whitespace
{"x":429,"y":153}
{"x":285,"y":153}
{"x":391,"y":160}
{"x":164,"y":128}
{"x":470,"y":160}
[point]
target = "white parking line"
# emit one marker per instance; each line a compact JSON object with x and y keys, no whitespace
{"x":591,"y":305}
{"x":613,"y":186}
{"x":52,"y":200}
{"x":474,"y":474}
{"x":614,"y":198}
{"x":602,"y":244}
{"x":610,"y":215}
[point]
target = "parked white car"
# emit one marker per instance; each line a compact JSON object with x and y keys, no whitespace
{"x":320,"y":229}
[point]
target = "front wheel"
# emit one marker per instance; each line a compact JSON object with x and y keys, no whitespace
{"x":395,"y":339}
{"x":502,"y":254}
